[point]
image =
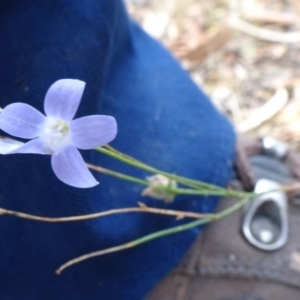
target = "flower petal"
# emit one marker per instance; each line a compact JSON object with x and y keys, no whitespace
{"x":63,"y":98}
{"x":35,"y":146}
{"x":8,"y":145}
{"x":70,"y":168}
{"x":93,"y":131}
{"x":21,"y":120}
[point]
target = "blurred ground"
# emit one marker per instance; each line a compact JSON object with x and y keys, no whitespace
{"x":243,"y":53}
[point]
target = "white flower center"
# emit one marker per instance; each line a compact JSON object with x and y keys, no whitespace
{"x":55,"y":134}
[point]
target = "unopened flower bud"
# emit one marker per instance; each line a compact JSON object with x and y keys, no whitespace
{"x":157,"y":190}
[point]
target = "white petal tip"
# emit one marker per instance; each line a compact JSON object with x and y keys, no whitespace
{"x":85,"y":185}
{"x":9,"y":145}
{"x":89,"y":186}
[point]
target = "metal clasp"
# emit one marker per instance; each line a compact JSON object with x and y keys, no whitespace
{"x":265,"y":222}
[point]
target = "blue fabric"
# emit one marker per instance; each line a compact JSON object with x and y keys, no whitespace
{"x":163,"y":119}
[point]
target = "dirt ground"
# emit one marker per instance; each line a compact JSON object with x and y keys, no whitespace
{"x":243,"y":53}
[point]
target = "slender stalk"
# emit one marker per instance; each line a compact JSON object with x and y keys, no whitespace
{"x":156,"y":235}
{"x":141,"y":209}
{"x":133,"y":162}
{"x":118,"y":175}
{"x":110,"y":151}
{"x":174,"y":191}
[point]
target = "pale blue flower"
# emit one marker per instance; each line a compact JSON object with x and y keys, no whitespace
{"x":57,"y":133}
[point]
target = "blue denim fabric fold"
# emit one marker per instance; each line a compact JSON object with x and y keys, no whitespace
{"x":163,"y":118}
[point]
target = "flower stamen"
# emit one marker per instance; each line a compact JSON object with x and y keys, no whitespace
{"x":55,"y":133}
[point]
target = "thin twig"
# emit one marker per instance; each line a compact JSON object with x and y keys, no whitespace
{"x":267,"y":111}
{"x":265,"y":34}
{"x":141,"y":209}
{"x":291,"y":187}
{"x":173,"y":230}
{"x":156,"y":235}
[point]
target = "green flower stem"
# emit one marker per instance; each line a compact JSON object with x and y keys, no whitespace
{"x":174,"y":191}
{"x":133,"y":162}
{"x":157,"y":235}
{"x":118,"y":175}
{"x":205,"y":192}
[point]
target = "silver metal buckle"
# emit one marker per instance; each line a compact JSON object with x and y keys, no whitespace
{"x":265,"y":222}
